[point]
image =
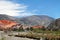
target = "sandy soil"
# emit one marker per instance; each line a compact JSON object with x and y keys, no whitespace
{"x":6,"y":37}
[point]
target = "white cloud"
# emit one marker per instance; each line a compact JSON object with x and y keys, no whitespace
{"x":26,"y":14}
{"x":10,"y":8}
{"x":14,"y":9}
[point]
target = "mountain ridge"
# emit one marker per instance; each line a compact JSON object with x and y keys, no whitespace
{"x":37,"y":19}
{"x":33,"y":20}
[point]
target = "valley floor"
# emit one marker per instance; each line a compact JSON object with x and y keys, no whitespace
{"x":29,"y":35}
{"x":4,"y":36}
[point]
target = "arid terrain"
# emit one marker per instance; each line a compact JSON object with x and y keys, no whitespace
{"x":4,"y":36}
{"x":36,"y":27}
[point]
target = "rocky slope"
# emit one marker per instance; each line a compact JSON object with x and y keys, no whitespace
{"x":5,"y":24}
{"x":6,"y":17}
{"x":55,"y":25}
{"x":42,"y":20}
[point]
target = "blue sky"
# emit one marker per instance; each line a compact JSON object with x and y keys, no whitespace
{"x":43,"y":7}
{"x":39,"y":7}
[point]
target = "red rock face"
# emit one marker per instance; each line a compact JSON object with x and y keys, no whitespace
{"x":37,"y":26}
{"x":4,"y":24}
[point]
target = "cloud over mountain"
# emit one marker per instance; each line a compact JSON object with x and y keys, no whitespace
{"x":14,"y":9}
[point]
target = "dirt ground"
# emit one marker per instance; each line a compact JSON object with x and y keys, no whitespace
{"x":4,"y":36}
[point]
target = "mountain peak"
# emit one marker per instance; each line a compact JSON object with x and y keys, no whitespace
{"x":37,"y":20}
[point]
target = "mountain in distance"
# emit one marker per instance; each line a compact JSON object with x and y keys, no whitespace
{"x":42,"y":20}
{"x":6,"y":17}
{"x":55,"y":25}
{"x":6,"y":24}
{"x":33,"y":20}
